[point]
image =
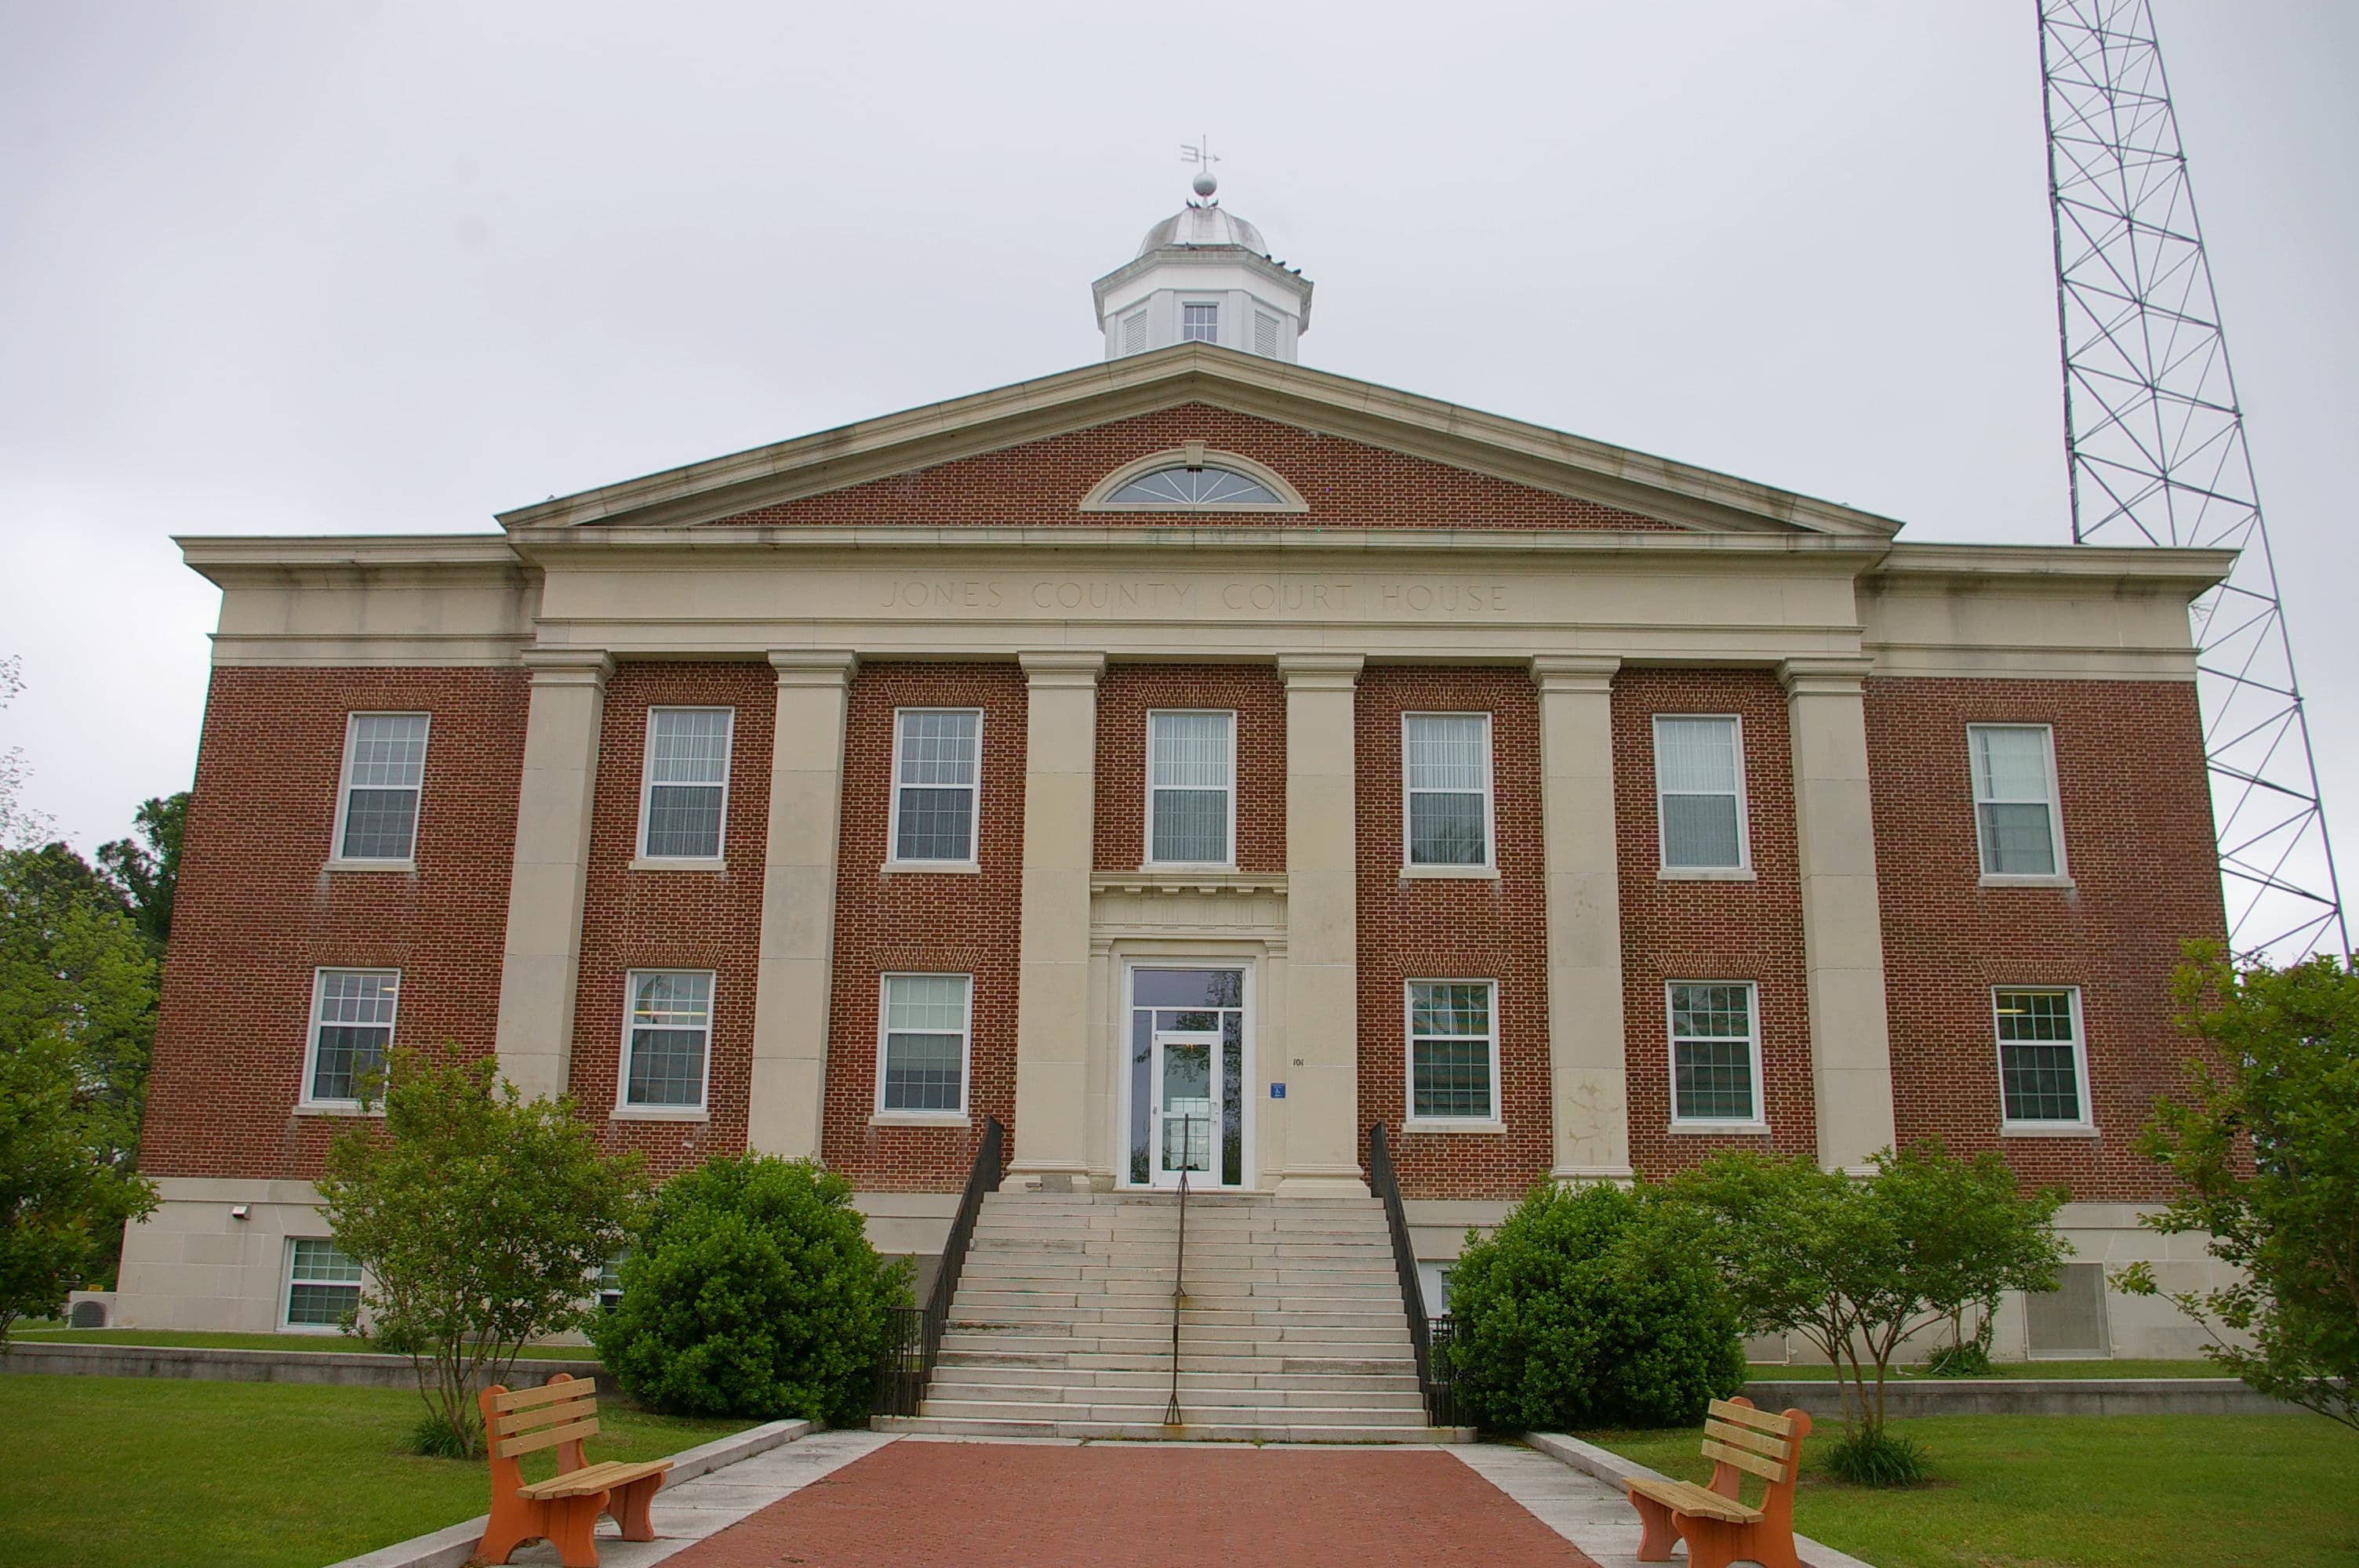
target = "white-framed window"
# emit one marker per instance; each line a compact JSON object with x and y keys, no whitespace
{"x":1192,"y":796}
{"x":352,"y":1029}
{"x":1699,"y":793}
{"x":2018,"y":818}
{"x":1446,"y":788}
{"x":385,"y":774}
{"x":1200,"y":322}
{"x":2043,"y":1062}
{"x":666,"y":1040}
{"x":610,"y":1282}
{"x":323,"y":1283}
{"x":684,"y":795}
{"x":1453,"y":1051}
{"x":1715,"y":1035}
{"x":925,"y":1034}
{"x":937,"y":786}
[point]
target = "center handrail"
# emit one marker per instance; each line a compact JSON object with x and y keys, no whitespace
{"x":1179,"y":1262}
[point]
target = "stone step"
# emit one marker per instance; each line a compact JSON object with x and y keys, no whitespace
{"x":1273,"y":1312}
{"x":1247,"y":1361}
{"x":976,"y":1371}
{"x":963,"y":1392}
{"x":1104,"y":1430}
{"x":1240,"y":1294}
{"x":1143,"y":1414}
{"x":1194,"y":1329}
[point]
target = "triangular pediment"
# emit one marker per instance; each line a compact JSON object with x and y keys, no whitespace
{"x":1357,"y":455}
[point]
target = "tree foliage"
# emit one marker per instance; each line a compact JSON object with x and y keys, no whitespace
{"x":1858,"y":1267}
{"x":2265,"y":1153}
{"x":480,"y":1220}
{"x":73,"y":967}
{"x":63,"y":1201}
{"x":1595,"y":1306}
{"x":754,"y":1291}
{"x":145,"y":867}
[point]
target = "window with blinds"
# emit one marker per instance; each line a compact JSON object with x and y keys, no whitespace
{"x":1715,"y":1052}
{"x":1699,"y":793}
{"x":1191,"y":788}
{"x":937,"y":784}
{"x":2016,"y":817}
{"x":667,"y":1040}
{"x":385,"y":772}
{"x":685,"y":798}
{"x":1453,"y":1051}
{"x":922,"y":1045}
{"x":1446,"y":775}
{"x":352,"y":1029}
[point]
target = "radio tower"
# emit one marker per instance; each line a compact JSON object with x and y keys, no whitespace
{"x":2154,"y":440}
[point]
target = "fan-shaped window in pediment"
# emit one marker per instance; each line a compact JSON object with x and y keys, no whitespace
{"x":1210,"y":485}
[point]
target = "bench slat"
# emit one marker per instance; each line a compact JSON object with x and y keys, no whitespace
{"x":1768,"y":1469}
{"x":556,"y":1413}
{"x":602,"y":1477}
{"x":1687,"y":1498}
{"x":566,"y":1387}
{"x":1735,"y":1436}
{"x":1760,"y":1419}
{"x":509,"y":1448}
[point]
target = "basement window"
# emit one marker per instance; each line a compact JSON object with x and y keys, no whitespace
{"x":2069,"y":1321}
{"x":323,"y":1283}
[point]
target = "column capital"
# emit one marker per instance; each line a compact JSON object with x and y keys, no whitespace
{"x":813,"y":666}
{"x":569,"y":666}
{"x":1319,"y":672}
{"x":1824,"y":674}
{"x":1063,"y":667}
{"x":1575,"y":672}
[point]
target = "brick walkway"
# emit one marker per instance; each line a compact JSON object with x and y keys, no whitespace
{"x":917,"y":1504}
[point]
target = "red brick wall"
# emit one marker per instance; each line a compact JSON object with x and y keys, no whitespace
{"x":2138,"y":846}
{"x":1711,"y":930}
{"x":255,"y":913}
{"x":1346,"y":484}
{"x":1125,"y":695}
{"x":1454,"y":928}
{"x":927,"y":922}
{"x":674,"y":919}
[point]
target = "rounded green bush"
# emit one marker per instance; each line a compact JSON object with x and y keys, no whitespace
{"x":752,"y":1292}
{"x":1591,"y":1307}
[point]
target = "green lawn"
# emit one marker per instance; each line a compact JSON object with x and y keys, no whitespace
{"x":184,"y":1340}
{"x":1769,"y":1372}
{"x":159,"y":1472}
{"x":2088,"y":1491}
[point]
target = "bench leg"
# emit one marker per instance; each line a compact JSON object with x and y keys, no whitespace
{"x":1658,"y":1530}
{"x":574,"y":1528}
{"x":1770,"y":1548}
{"x":1713,"y":1543}
{"x":514,"y":1521}
{"x":629,"y":1507}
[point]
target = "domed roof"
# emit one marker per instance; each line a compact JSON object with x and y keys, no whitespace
{"x":1208,"y":223}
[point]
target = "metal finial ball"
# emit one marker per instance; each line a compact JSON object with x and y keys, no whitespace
{"x":1205,"y":184}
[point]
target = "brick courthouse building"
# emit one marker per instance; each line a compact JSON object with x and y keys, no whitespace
{"x":1190,"y":760}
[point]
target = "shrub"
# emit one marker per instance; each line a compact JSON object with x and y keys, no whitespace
{"x":1878,"y":1457}
{"x":752,"y":1292}
{"x":1591,"y":1307}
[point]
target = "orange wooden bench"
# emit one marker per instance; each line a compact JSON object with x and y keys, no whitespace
{"x":563,"y":1510}
{"x":1718,"y":1527}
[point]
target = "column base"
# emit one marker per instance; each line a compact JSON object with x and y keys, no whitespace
{"x":1047,"y":1179}
{"x":1344,"y":1182}
{"x":1622,"y":1174}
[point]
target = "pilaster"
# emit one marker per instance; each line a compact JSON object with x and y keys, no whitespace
{"x":1842,"y":929}
{"x":1588,"y":1081}
{"x":793,"y":983}
{"x":542,"y":960}
{"x":1323,"y":1005}
{"x":1053,"y":977}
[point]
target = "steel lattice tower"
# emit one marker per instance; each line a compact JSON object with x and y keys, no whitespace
{"x":2154,"y":440}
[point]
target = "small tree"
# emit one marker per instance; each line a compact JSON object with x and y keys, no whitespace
{"x":481,"y":1221}
{"x":1859,"y":1267}
{"x":63,"y":1197}
{"x":2265,"y":1152}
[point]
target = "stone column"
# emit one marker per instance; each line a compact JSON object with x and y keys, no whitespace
{"x":1322,"y":1003}
{"x":543,"y":958}
{"x":1842,"y":931}
{"x":1060,"y":743}
{"x":792,"y":985}
{"x":1588,"y":1082}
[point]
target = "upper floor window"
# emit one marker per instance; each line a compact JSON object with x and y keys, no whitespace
{"x":384,"y":770}
{"x":1446,"y":774}
{"x":666,"y":1040}
{"x":1200,"y":323}
{"x":1191,"y":475}
{"x":1191,"y":788}
{"x":1207,"y":486}
{"x":2015,"y":812}
{"x":685,"y":797}
{"x":937,"y":781}
{"x":352,"y":1029}
{"x":1715,"y":1052}
{"x":922,"y":1045}
{"x":1453,"y":1051}
{"x":2041,"y":1060}
{"x":1699,"y":793}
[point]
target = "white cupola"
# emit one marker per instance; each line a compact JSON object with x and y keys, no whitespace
{"x":1203,"y":275}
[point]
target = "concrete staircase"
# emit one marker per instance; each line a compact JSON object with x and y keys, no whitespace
{"x":1292,"y":1329}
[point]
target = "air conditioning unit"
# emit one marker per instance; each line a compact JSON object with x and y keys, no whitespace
{"x":89,"y":1309}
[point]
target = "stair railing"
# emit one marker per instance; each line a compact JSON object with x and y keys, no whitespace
{"x":914,"y":1334}
{"x":1179,"y":1264}
{"x":1430,"y":1337}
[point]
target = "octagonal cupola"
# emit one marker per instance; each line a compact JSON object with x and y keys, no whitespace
{"x":1203,"y":275}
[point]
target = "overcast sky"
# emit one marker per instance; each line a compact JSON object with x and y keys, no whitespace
{"x":348,"y":268}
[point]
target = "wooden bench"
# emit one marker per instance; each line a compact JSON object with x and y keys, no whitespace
{"x":563,"y":1510}
{"x":1718,"y":1527}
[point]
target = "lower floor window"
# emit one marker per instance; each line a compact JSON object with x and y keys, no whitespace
{"x":1715,"y":1052}
{"x":1453,"y":1051}
{"x":2039,"y":1054}
{"x":928,"y":1023}
{"x":670,"y":1032}
{"x":323,"y":1283}
{"x":610,"y":1283}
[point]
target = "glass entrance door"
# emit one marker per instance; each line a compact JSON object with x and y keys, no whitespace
{"x":1185,"y":1112}
{"x":1187,"y":1078}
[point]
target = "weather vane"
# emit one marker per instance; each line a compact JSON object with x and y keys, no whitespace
{"x":1200,"y":152}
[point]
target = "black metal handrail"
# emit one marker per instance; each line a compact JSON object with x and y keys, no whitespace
{"x":1430,"y":1337}
{"x":914,"y":1334}
{"x":1179,"y":1268}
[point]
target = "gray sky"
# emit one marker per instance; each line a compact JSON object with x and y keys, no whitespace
{"x":348,"y":267}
